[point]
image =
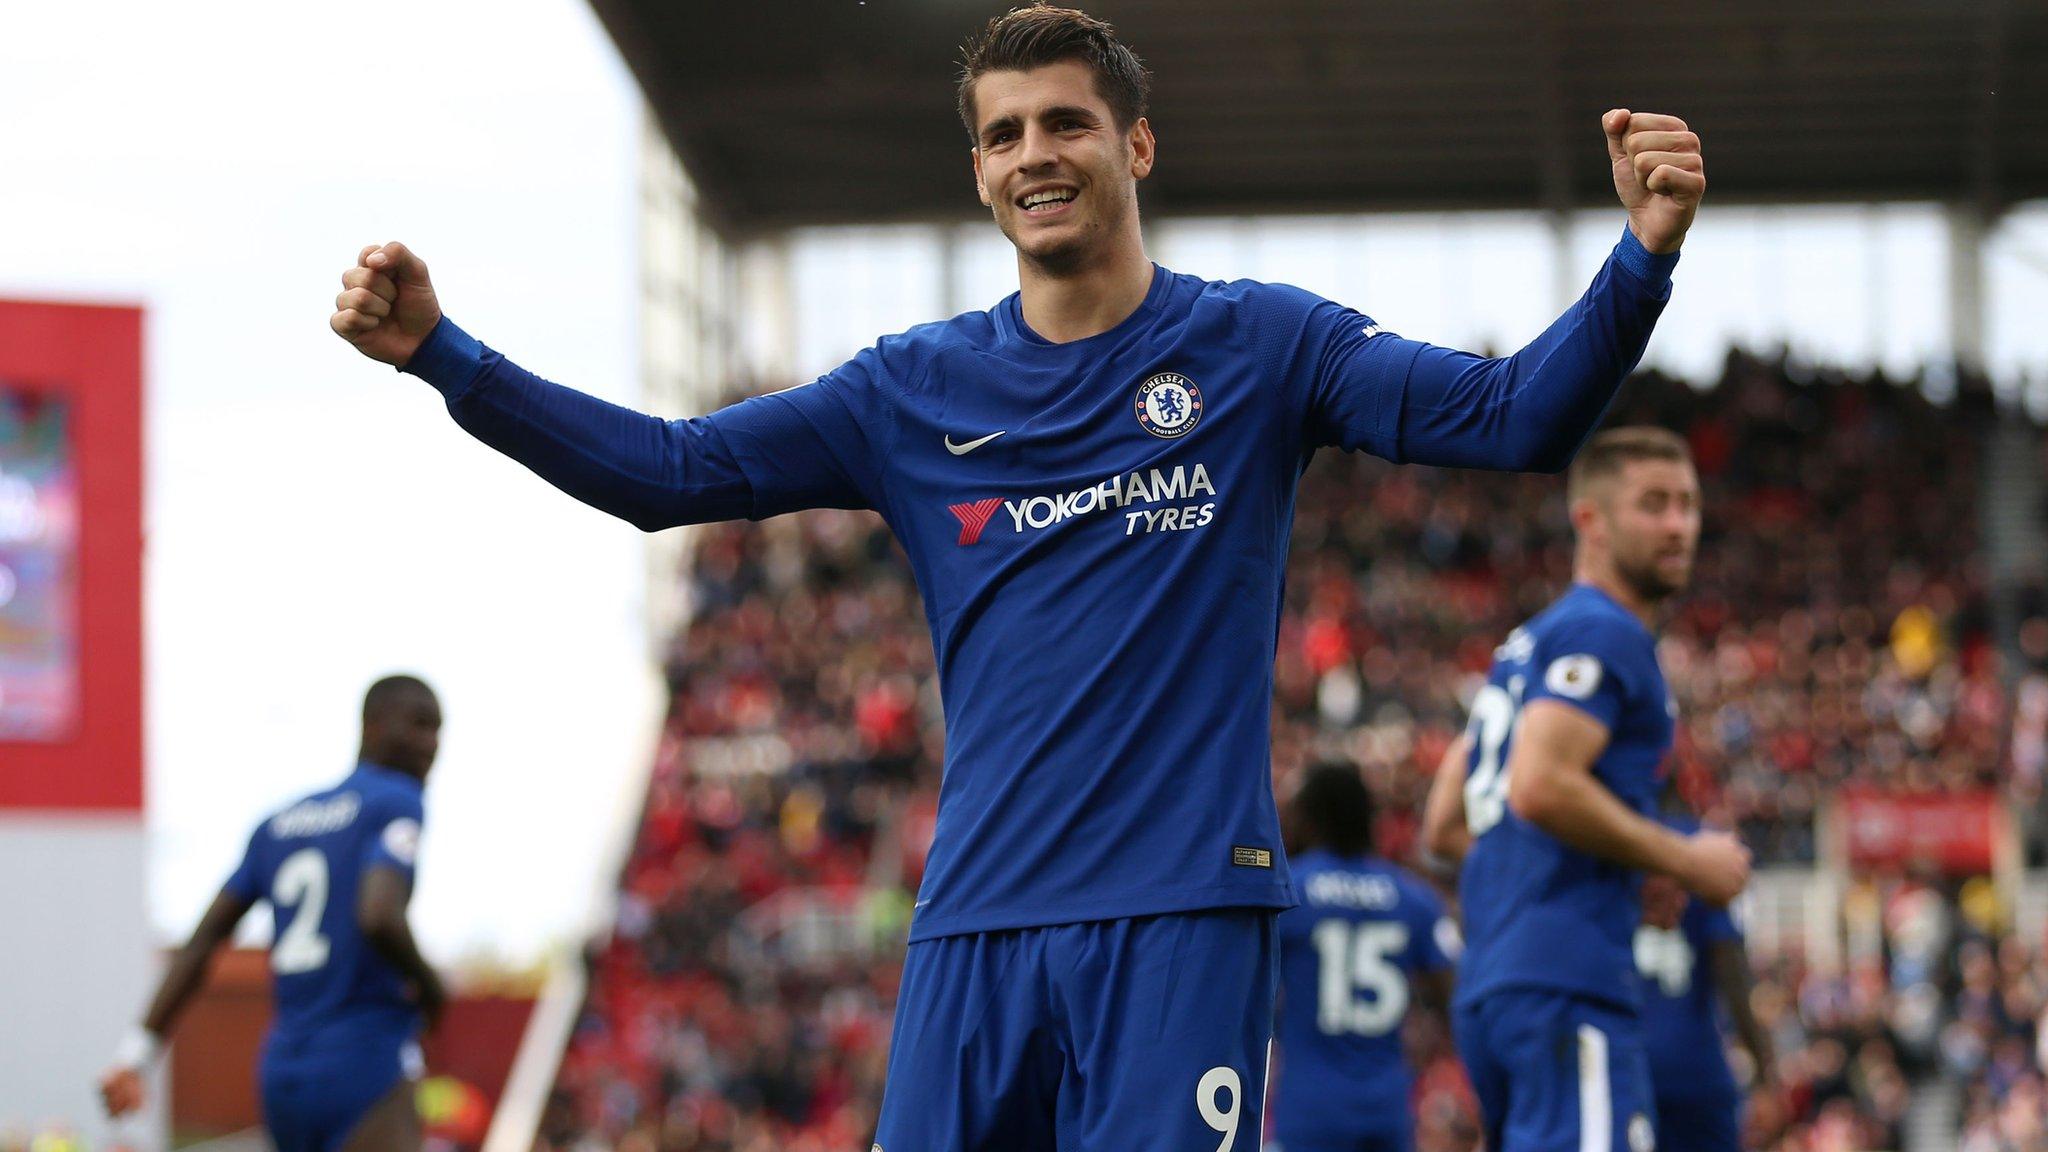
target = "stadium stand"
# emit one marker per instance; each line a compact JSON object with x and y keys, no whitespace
{"x":1838,"y":634}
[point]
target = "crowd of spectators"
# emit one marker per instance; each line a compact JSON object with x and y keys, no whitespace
{"x":1837,"y":631}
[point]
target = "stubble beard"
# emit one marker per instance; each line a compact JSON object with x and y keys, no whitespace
{"x":1651,"y":585}
{"x":1077,"y":252}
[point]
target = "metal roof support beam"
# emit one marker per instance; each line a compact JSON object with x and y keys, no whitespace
{"x":767,"y":294}
{"x":951,"y":283}
{"x":1968,"y":224}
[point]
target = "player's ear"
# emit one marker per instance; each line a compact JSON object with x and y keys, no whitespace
{"x":1585,"y":515}
{"x":980,"y":186}
{"x":1143,"y":148}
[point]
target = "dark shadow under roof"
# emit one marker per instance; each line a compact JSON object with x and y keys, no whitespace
{"x":795,"y":112}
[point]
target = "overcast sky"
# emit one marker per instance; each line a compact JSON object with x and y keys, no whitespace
{"x":315,"y":520}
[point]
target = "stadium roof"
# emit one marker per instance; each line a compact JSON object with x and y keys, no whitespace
{"x":831,"y":111}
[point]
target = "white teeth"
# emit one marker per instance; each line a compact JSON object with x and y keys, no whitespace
{"x":1061,"y":196}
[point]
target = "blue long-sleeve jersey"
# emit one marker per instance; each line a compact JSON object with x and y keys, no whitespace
{"x":1099,"y":531}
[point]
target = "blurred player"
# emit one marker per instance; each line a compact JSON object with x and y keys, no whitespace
{"x":1690,"y":955}
{"x":1564,"y":745}
{"x":1094,"y":483}
{"x":351,"y":990}
{"x":1366,"y":941}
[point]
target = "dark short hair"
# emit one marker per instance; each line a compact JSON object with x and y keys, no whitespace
{"x":1334,"y":808}
{"x":390,"y":691}
{"x":1611,"y":449}
{"x":1026,"y":38}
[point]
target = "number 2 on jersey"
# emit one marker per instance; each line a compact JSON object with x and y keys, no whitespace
{"x":300,"y":880}
{"x":1494,"y":711}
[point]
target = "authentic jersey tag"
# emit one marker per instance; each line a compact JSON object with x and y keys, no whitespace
{"x":1245,"y":857}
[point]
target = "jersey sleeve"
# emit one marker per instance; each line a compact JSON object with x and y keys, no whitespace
{"x":806,"y":448}
{"x":1593,"y":663}
{"x":1345,"y":377}
{"x":1412,"y":402}
{"x":247,"y":881}
{"x":816,"y":445}
{"x":396,"y":839}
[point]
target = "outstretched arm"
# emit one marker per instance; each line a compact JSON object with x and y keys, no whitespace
{"x":1419,"y":403}
{"x":766,"y":455}
{"x":121,"y":1087}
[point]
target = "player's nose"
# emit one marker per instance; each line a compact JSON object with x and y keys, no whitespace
{"x":1035,"y":150}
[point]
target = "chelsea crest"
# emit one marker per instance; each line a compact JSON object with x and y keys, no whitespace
{"x":1169,"y":405}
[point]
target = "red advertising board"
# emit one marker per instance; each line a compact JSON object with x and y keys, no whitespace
{"x":70,"y":557}
{"x":1955,"y":832}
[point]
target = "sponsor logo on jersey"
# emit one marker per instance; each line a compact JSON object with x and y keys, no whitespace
{"x":973,"y":518}
{"x":316,"y":817}
{"x":1179,"y":488}
{"x":1169,"y":405}
{"x":971,"y":445}
{"x":1576,"y":676}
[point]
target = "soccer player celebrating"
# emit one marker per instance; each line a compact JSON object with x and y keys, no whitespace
{"x":1564,"y":745}
{"x":1094,"y":483}
{"x":1689,"y":954}
{"x":1366,"y":940}
{"x":351,"y":991}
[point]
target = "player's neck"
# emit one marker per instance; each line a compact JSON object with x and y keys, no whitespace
{"x":1088,"y":301}
{"x":386,"y":762}
{"x":1606,"y":579}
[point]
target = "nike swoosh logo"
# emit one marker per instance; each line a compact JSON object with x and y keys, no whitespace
{"x":971,"y":445}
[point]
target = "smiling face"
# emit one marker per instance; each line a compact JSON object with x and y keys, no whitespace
{"x":1054,"y":167}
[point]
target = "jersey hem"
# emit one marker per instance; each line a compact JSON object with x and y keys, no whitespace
{"x":1276,"y":894}
{"x":1597,"y":994}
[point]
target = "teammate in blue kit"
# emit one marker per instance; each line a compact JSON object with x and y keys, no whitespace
{"x":1695,"y":972}
{"x":350,"y":988}
{"x":1558,"y":795}
{"x":1094,"y":483}
{"x":1366,"y":941}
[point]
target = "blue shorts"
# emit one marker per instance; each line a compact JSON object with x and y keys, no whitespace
{"x":1349,"y":1112}
{"x":1147,"y":1033}
{"x":1557,"y":1073}
{"x":1706,"y":1125}
{"x":314,"y":1095}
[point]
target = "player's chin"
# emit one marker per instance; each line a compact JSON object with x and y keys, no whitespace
{"x":1659,"y":579}
{"x":1674,"y":575}
{"x":1053,"y":248}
